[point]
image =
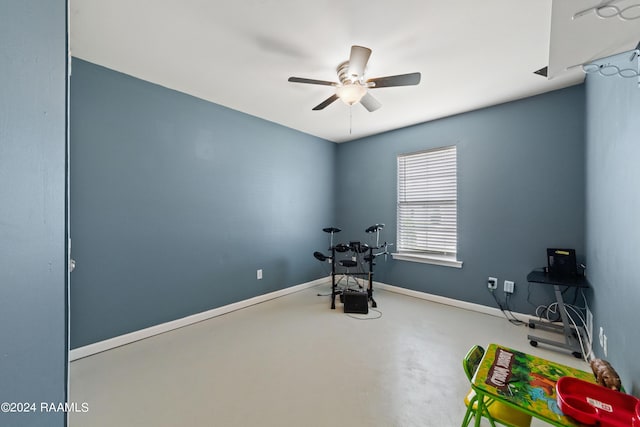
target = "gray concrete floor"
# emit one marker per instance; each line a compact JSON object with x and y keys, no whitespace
{"x":292,"y":361}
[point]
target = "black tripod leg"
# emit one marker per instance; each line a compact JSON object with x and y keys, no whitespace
{"x":333,"y":278}
{"x":370,"y":296}
{"x":333,"y":291}
{"x":370,"y":289}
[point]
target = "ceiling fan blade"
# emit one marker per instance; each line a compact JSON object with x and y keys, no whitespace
{"x":370,"y":103}
{"x":358,"y":60}
{"x":399,"y":80}
{"x":326,"y":102}
{"x":311,"y":81}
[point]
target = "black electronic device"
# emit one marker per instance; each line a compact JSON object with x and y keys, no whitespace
{"x":561,"y":262}
{"x":358,"y":247}
{"x":341,"y":247}
{"x":331,"y":230}
{"x":356,"y":302}
{"x":374,"y":228}
{"x":353,"y":265}
{"x":320,"y":256}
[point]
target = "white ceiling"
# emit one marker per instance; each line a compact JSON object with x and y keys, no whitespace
{"x":239,"y":54}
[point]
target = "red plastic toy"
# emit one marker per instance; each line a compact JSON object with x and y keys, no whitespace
{"x":593,"y":404}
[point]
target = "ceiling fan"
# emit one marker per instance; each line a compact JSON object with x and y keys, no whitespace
{"x":353,"y":87}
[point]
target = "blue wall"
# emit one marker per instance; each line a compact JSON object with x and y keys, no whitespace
{"x":613,"y":212}
{"x":520,"y":185}
{"x":176,"y":202}
{"x":33,"y":278}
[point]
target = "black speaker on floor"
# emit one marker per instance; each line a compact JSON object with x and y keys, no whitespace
{"x":356,"y":302}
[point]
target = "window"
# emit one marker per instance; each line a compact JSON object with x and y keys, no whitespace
{"x":427,"y":207}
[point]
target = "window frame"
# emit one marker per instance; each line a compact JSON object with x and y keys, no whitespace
{"x":427,"y":254}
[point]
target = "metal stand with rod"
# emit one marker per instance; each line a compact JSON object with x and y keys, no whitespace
{"x":358,"y":250}
{"x":334,"y":288}
{"x":572,"y":334}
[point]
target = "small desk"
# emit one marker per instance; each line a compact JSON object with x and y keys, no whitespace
{"x":524,"y":382}
{"x":571,"y":339}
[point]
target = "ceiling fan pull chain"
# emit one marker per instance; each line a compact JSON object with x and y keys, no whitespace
{"x":350,"y":118}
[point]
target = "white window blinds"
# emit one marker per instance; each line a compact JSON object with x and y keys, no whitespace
{"x":427,"y":202}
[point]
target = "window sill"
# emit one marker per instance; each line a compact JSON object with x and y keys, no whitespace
{"x":429,"y":259}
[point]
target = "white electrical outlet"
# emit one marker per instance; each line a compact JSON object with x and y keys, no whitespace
{"x":509,"y":286}
{"x":259,"y":274}
{"x":492,"y":283}
{"x":604,"y":345}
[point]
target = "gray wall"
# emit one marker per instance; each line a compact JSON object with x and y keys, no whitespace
{"x":33,"y":208}
{"x":176,"y":202}
{"x":613,"y":212}
{"x":521,"y":190}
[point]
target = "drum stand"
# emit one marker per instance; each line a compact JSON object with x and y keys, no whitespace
{"x":334,"y":290}
{"x":376,"y":229}
{"x":358,"y":249}
{"x":331,"y":230}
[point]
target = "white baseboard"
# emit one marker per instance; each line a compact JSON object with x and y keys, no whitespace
{"x":449,"y":301}
{"x":98,"y":347}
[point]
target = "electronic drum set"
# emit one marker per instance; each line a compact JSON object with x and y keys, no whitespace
{"x":354,"y":260}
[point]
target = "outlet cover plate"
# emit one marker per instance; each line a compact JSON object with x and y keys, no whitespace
{"x":509,"y":286}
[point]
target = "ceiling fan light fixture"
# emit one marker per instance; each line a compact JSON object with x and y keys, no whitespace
{"x":352,"y":87}
{"x":351,"y":93}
